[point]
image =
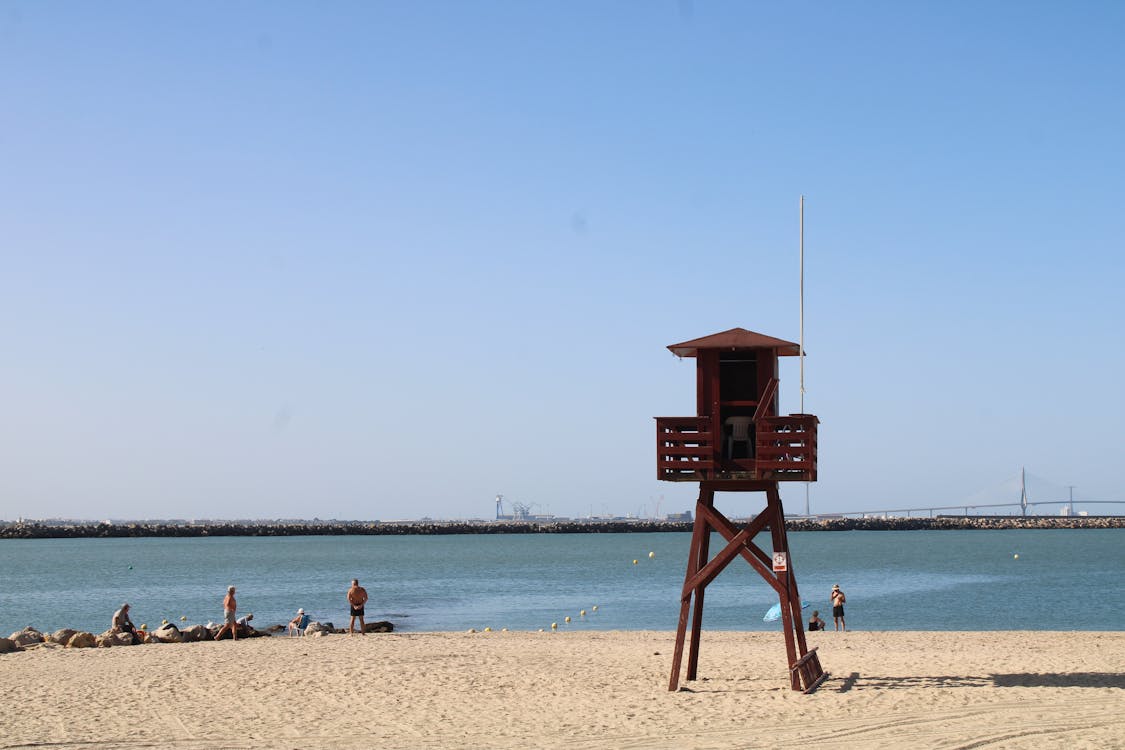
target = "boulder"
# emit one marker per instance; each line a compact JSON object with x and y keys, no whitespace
{"x":7,"y":645}
{"x":112,"y":638}
{"x":275,"y":629}
{"x":319,"y":628}
{"x":82,"y":640}
{"x":60,"y":636}
{"x":27,"y":636}
{"x":168,"y":633}
{"x":379,"y":627}
{"x":195,"y":633}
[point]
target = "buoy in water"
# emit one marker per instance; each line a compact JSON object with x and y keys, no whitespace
{"x":634,"y":562}
{"x":554,"y":626}
{"x":651,"y":555}
{"x":567,"y":618}
{"x":1016,"y":556}
{"x":582,"y":613}
{"x":594,"y":608}
{"x":183,"y":618}
{"x":488,"y":630}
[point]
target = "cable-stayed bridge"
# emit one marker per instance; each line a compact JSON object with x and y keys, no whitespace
{"x":1025,"y":494}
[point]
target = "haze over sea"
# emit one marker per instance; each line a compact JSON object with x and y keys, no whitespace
{"x":901,"y":580}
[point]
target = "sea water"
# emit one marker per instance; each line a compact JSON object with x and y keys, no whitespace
{"x":894,"y":580}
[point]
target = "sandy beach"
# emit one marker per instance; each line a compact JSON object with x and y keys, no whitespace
{"x":574,"y":690}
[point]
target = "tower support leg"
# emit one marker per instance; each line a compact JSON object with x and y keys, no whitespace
{"x":791,"y":620}
{"x":699,"y":531}
{"x":707,"y":499}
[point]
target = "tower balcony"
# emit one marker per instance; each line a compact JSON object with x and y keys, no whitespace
{"x":778,"y":449}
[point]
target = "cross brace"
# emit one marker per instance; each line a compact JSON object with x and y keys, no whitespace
{"x":804,"y":666}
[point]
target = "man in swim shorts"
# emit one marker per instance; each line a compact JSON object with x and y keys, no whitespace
{"x":357,"y":597}
{"x":229,"y":621}
{"x":838,"y":600}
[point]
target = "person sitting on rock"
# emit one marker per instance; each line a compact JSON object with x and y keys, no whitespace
{"x":122,"y":623}
{"x":243,"y":624}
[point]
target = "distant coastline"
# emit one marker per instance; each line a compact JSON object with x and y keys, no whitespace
{"x":93,"y":530}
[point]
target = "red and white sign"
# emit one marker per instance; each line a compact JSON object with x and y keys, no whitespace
{"x":780,"y":562}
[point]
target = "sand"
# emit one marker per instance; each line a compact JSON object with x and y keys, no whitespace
{"x":574,"y":690}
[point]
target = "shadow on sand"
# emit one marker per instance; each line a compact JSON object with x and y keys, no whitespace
{"x":1067,"y":679}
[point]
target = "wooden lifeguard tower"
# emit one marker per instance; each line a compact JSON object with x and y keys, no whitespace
{"x":737,"y":442}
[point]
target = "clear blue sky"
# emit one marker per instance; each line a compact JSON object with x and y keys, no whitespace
{"x":386,"y":260}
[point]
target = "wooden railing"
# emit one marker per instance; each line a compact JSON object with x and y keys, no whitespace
{"x":684,"y":449}
{"x":784,"y":450}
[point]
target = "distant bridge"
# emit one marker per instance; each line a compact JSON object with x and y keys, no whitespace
{"x":1016,"y":487}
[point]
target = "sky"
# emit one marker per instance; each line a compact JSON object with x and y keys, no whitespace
{"x":387,"y":260}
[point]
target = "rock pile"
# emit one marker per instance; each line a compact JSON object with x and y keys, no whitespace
{"x":30,"y":638}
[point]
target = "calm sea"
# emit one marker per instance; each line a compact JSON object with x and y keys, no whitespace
{"x":900,"y":580}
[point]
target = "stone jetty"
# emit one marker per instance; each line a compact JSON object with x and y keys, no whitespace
{"x":82,"y":530}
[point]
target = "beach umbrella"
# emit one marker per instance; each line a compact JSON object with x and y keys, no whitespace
{"x":774,"y":612}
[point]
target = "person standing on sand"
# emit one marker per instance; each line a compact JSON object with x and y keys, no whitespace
{"x":357,"y":597}
{"x":838,"y":600}
{"x":229,"y":607}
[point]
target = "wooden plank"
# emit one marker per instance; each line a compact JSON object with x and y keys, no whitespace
{"x":816,"y":683}
{"x":686,"y":450}
{"x":673,"y":463}
{"x":765,"y":401}
{"x":766,"y":451}
{"x":810,"y":655}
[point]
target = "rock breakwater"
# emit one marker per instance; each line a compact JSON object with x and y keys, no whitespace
{"x":82,"y":530}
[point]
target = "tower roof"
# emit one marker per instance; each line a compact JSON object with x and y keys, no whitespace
{"x":736,"y":338}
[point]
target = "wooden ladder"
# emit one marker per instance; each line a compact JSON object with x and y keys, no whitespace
{"x":809,"y":670}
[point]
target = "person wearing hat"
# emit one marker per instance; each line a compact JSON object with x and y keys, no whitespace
{"x":243,"y":624}
{"x":298,"y":624}
{"x":838,"y":600}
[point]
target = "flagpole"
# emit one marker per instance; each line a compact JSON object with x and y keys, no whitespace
{"x":802,"y":339}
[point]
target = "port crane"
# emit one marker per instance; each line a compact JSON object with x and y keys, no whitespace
{"x":520,"y":511}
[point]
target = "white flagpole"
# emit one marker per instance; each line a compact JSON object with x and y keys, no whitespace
{"x":802,"y":339}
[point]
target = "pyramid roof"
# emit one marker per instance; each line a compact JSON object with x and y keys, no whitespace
{"x":736,"y":338}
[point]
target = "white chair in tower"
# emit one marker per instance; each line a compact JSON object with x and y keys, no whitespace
{"x":739,"y":433}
